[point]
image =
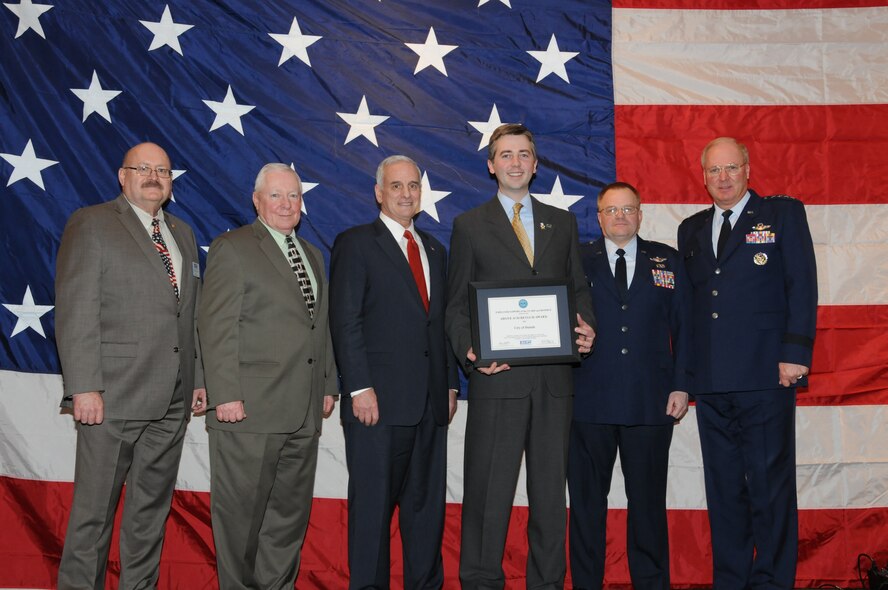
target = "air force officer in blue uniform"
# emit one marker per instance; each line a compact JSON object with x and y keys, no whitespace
{"x":629,"y":392}
{"x":751,"y":264}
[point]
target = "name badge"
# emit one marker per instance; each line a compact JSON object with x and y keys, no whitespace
{"x":195,"y":270}
{"x":664,"y":278}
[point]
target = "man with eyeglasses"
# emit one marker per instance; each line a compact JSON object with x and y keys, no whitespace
{"x":127,"y":281}
{"x":630,"y":392}
{"x":750,"y":260}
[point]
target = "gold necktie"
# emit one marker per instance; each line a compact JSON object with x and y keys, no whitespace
{"x":518,"y":227}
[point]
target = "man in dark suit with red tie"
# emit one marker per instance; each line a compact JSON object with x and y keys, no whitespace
{"x":750,"y":260}
{"x":387,"y":301}
{"x":629,"y":392}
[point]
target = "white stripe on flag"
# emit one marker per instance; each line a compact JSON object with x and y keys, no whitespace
{"x":842,"y":451}
{"x":750,"y":57}
{"x":850,"y":241}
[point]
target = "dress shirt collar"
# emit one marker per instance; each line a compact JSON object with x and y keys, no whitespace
{"x":397,"y":229}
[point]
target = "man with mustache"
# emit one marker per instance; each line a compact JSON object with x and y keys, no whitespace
{"x":127,"y":282}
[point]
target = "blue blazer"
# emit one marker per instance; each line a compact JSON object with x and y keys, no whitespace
{"x":642,"y":345}
{"x":756,"y":307}
{"x":382,"y":335}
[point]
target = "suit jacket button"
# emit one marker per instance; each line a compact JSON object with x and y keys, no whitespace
{"x":624,"y":329}
{"x":428,"y":324}
{"x":426,"y":353}
{"x":624,"y":351}
{"x":624,"y":307}
{"x":715,"y":292}
{"x":718,"y":271}
{"x":534,"y":272}
{"x":178,"y":314}
{"x":310,"y":361}
{"x":715,"y":315}
{"x":175,"y":349}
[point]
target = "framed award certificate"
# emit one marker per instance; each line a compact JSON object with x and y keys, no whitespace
{"x":523,"y":322}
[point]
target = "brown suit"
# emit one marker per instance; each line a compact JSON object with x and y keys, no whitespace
{"x":120,"y":331}
{"x":262,"y":347}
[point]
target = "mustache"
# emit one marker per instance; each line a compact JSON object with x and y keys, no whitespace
{"x":150,"y":183}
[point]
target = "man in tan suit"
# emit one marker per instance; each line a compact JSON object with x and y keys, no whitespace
{"x":127,"y":283}
{"x":270,"y":377}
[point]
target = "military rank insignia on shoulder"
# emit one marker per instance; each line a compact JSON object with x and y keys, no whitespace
{"x":782,"y":197}
{"x":663,"y":278}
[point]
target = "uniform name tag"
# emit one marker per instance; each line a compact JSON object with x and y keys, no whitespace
{"x":195,"y":270}
{"x":664,"y":278}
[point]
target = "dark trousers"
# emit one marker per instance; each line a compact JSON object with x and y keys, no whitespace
{"x":388,"y":466}
{"x":145,"y":454}
{"x":748,"y":443}
{"x":498,"y":433}
{"x":644,"y":458}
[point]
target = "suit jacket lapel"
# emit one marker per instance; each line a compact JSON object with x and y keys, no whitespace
{"x":185,"y":278}
{"x":132,"y":224}
{"x":436,"y":270}
{"x":542,"y":229}
{"x":643,"y":267}
{"x":603,"y":277}
{"x":704,"y":238}
{"x":501,"y":229}
{"x":274,"y":255}
{"x":393,"y":252}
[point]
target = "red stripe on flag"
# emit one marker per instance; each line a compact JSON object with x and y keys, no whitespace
{"x":824,"y":155}
{"x":746,"y":4}
{"x":850,"y":365}
{"x":35,"y":513}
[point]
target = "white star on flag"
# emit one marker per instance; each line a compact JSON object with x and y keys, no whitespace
{"x":166,"y":32}
{"x":306,"y":186}
{"x":29,"y":16}
{"x":506,"y":2}
{"x":430,"y":53}
{"x":487,"y":127}
{"x":362,"y":123}
{"x":27,"y":165}
{"x":430,"y":197}
{"x":228,"y":112}
{"x":95,"y":98}
{"x":28,"y":314}
{"x":557,"y":198}
{"x":295,"y":43}
{"x":175,"y":174}
{"x":552,"y":60}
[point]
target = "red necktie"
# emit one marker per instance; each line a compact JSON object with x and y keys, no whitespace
{"x":416,"y":268}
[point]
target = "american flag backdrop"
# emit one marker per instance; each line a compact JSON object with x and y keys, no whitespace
{"x":631,"y":90}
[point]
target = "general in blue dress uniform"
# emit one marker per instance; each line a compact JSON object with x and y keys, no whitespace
{"x":750,"y":260}
{"x":628,"y":393}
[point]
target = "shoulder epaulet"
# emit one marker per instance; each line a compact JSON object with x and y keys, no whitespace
{"x":699,"y":213}
{"x":784,"y":197}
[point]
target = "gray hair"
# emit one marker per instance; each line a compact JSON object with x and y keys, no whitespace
{"x":380,"y":170}
{"x":719,"y":140}
{"x":273,"y":167}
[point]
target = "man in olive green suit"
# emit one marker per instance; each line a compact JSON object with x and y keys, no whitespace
{"x":270,"y":377}
{"x":127,"y":283}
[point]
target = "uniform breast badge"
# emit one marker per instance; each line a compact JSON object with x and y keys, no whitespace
{"x":664,"y":278}
{"x":760,"y":258}
{"x":760,"y":235}
{"x":658,"y":261}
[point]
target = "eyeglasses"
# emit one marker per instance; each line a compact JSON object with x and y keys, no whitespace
{"x":146,"y":170}
{"x":627,"y":210}
{"x":732,"y":170}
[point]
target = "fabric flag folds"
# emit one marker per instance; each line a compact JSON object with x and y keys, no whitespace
{"x":629,"y":91}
